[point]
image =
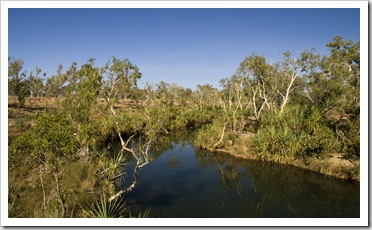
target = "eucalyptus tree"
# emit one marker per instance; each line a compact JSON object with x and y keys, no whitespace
{"x":337,"y":85}
{"x":15,"y":75}
{"x":37,"y":87}
{"x":18,"y":85}
{"x":117,"y":74}
{"x":335,"y":90}
{"x":164,"y":95}
{"x":271,"y":85}
{"x":51,"y":145}
{"x":206,"y":96}
{"x":119,"y":77}
{"x":176,"y":93}
{"x":55,"y":84}
{"x":81,"y":91}
{"x":231,"y":99}
{"x":260,"y":81}
{"x":291,"y":69}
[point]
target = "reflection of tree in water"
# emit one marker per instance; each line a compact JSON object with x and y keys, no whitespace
{"x":204,"y":158}
{"x":286,"y":191}
{"x":276,"y":190}
{"x":263,"y":189}
{"x":174,"y":162}
{"x":166,"y":142}
{"x":229,"y":171}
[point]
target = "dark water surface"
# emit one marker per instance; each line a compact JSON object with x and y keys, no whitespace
{"x":184,"y":181}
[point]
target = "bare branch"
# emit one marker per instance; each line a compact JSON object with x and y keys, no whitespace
{"x":222,"y":135}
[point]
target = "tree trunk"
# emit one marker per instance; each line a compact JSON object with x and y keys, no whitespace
{"x":42,"y":187}
{"x":222,"y":136}
{"x":59,"y":193}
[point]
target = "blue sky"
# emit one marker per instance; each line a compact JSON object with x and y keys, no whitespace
{"x":182,"y":46}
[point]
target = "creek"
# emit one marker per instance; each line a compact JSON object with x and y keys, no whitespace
{"x":187,"y":182}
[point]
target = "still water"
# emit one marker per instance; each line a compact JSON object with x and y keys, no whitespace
{"x":184,"y":181}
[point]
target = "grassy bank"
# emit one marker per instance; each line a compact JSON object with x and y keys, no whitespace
{"x":333,"y":164}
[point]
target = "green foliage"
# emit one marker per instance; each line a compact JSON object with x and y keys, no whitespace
{"x":320,"y":143}
{"x":295,"y":133}
{"x":145,"y":214}
{"x":49,"y":140}
{"x":114,"y":209}
{"x":37,"y":87}
{"x":14,"y":74}
{"x":81,"y":92}
{"x":300,"y":107}
{"x":197,"y":118}
{"x":105,"y":209}
{"x":112,"y":168}
{"x":17,"y":84}
{"x":210,"y":134}
{"x":206,"y":96}
{"x":22,"y":91}
{"x":278,"y":138}
{"x":119,"y":79}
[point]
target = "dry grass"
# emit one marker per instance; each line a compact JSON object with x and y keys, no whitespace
{"x":22,"y":117}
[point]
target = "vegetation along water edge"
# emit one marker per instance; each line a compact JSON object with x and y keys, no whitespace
{"x":71,"y":135}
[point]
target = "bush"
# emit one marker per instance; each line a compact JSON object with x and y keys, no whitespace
{"x":210,"y":134}
{"x":295,"y":133}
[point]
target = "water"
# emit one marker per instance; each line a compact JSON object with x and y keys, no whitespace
{"x":184,"y":181}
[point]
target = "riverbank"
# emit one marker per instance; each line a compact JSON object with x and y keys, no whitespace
{"x":333,"y":165}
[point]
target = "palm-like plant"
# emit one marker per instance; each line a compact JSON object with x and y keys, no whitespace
{"x":105,"y":209}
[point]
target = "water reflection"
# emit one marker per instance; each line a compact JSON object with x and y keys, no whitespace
{"x":183,"y":181}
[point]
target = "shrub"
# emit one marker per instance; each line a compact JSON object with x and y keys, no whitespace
{"x":294,"y":133}
{"x":210,"y":134}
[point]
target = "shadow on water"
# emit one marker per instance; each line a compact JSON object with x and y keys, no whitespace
{"x":184,"y":181}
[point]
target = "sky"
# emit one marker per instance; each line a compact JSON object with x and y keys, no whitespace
{"x":182,"y":46}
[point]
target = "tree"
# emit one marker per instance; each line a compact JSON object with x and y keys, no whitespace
{"x":81,"y":92}
{"x":337,"y":84}
{"x":163,"y":94}
{"x":119,"y":76}
{"x":51,"y":143}
{"x":231,"y":99}
{"x":291,"y":69}
{"x":118,"y":73}
{"x":37,"y":88}
{"x":206,"y":96}
{"x":336,"y":91}
{"x":55,"y":84}
{"x":14,"y":73}
{"x":260,"y":81}
{"x":17,"y":83}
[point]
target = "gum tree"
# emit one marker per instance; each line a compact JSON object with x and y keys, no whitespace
{"x":51,"y":144}
{"x":335,"y":90}
{"x":18,"y":85}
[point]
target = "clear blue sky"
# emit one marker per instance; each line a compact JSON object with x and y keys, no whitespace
{"x":184,"y":46}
